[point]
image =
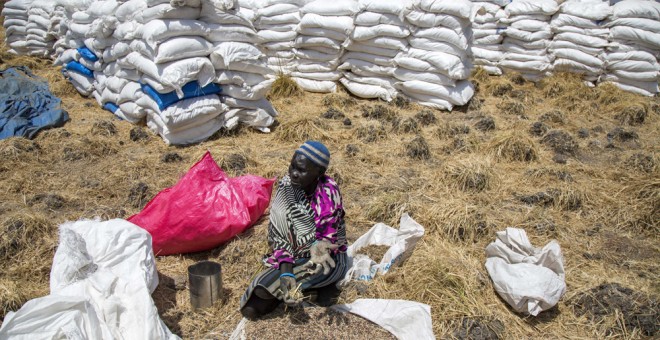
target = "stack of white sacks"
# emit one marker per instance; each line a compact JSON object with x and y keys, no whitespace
{"x":527,"y":38}
{"x":631,"y":59}
{"x":380,"y":34}
{"x":170,"y":50}
{"x":88,"y":31}
{"x":434,"y":70}
{"x":488,"y":33}
{"x":42,"y":27}
{"x":324,"y":28}
{"x":579,"y":39}
{"x":15,"y":13}
{"x":157,"y":59}
{"x":276,"y":22}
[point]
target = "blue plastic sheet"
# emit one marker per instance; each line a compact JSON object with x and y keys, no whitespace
{"x":190,"y":90}
{"x":87,"y":54}
{"x":26,"y":104}
{"x":79,"y":68}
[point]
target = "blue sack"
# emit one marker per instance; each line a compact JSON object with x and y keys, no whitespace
{"x":112,"y":107}
{"x":87,"y":54}
{"x":79,"y":68}
{"x":26,"y":104}
{"x":190,"y":90}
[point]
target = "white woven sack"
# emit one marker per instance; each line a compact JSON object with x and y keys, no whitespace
{"x":366,"y":90}
{"x":590,"y":9}
{"x":636,"y":9}
{"x":331,"y":8}
{"x":316,"y":86}
{"x":372,"y":19}
{"x":342,"y":24}
{"x":529,"y":7}
{"x":424,"y":19}
{"x":459,"y":8}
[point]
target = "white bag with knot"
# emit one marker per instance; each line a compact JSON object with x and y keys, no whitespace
{"x":529,"y":279}
{"x":401,"y":243}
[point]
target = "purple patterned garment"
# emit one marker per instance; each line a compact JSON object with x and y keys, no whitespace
{"x":298,"y":220}
{"x":328,"y":212}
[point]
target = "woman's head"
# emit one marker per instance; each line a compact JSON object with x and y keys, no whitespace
{"x":309,"y":163}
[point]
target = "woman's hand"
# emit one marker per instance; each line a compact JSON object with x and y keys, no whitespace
{"x":287,"y":279}
{"x":321,"y":258}
{"x":287,"y":284}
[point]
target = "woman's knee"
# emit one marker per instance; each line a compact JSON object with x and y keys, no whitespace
{"x":263,"y":293}
{"x":250,"y":312}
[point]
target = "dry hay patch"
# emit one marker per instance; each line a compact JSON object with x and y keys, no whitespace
{"x":26,"y":249}
{"x":645,"y":163}
{"x":619,"y":310}
{"x":474,"y":328}
{"x":284,"y":87}
{"x":341,"y":100}
{"x":452,"y":129}
{"x":381,"y":113}
{"x":406,"y":125}
{"x":418,"y":148}
{"x":371,"y":132}
{"x":18,"y":148}
{"x":302,"y":129}
{"x":641,"y":208}
{"x":314,"y":323}
{"x":485,"y":124}
{"x":567,"y":198}
{"x":458,"y":220}
{"x":426,"y":117}
{"x":513,"y":146}
{"x":472,"y":174}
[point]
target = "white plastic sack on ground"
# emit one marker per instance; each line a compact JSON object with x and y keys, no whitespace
{"x":101,"y":279}
{"x":404,"y":319}
{"x":54,"y":317}
{"x":401,"y":242}
{"x":116,"y":245}
{"x":529,"y":279}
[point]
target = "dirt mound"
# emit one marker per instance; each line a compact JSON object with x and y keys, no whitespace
{"x":636,"y":310}
{"x":314,"y":323}
{"x":477,"y":329}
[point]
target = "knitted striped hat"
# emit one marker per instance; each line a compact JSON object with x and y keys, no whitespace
{"x":316,"y":152}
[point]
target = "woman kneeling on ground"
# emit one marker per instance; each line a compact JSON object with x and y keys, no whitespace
{"x":306,"y":234}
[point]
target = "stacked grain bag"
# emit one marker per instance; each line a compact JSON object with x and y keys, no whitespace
{"x":15,"y":13}
{"x":324,"y":28}
{"x":488,"y":33}
{"x":242,"y":69}
{"x":169,"y":49}
{"x":579,"y":39}
{"x":42,"y":27}
{"x":380,"y":34}
{"x":84,"y":34}
{"x":433,"y":71}
{"x":527,"y":38}
{"x":276,"y":22}
{"x":631,"y":59}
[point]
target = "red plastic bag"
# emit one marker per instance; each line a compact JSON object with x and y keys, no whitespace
{"x":204,"y":209}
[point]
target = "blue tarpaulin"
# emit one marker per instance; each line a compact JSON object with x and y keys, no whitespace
{"x":26,"y":104}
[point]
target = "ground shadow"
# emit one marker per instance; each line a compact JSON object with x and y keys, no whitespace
{"x":543,"y":317}
{"x":165,"y":300}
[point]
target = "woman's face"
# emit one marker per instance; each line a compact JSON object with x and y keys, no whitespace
{"x":303,"y":173}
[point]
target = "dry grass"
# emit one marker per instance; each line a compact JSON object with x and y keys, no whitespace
{"x":470,"y":175}
{"x":514,"y":145}
{"x":467,"y":188}
{"x":284,"y":87}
